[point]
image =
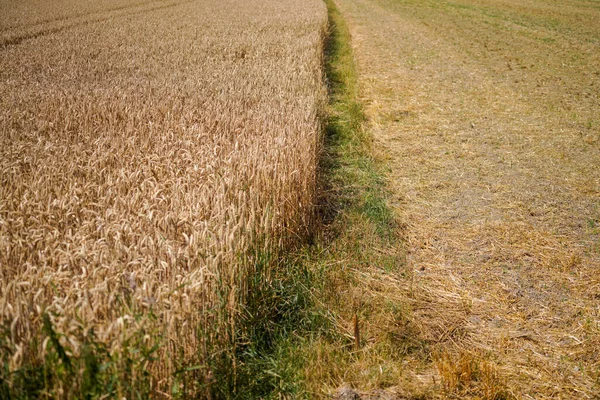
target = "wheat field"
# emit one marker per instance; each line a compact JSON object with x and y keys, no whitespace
{"x":151,"y":152}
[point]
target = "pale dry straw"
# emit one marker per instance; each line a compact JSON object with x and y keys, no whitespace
{"x":487,"y":112}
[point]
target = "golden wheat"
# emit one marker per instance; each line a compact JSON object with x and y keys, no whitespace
{"x":146,"y":149}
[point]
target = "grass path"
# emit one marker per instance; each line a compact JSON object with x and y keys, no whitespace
{"x":488,"y":116}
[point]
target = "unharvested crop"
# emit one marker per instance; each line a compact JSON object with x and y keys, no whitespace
{"x":152,"y":154}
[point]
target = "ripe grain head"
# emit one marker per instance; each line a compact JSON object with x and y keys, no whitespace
{"x":144,"y":157}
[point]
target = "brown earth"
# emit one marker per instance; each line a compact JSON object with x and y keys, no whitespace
{"x":487,"y":113}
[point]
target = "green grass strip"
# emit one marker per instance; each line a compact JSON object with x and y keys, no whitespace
{"x":297,"y":347}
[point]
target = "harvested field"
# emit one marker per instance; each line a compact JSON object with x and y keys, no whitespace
{"x":487,"y":113}
{"x":152,"y":154}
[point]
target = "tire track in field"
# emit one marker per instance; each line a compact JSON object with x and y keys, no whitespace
{"x":41,"y":23}
{"x":14,"y":39}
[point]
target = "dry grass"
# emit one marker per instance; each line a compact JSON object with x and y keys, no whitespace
{"x":147,"y":151}
{"x":487,"y":114}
